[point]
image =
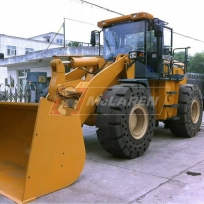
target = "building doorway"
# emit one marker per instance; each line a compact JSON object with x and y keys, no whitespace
{"x":22,"y":78}
{"x":22,"y":83}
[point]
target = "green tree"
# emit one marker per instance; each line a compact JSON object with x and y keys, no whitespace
{"x":197,"y":63}
{"x":74,"y":44}
{"x":179,"y":56}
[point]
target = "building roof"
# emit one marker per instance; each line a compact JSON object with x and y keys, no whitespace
{"x":43,"y":57}
{"x":50,"y":33}
{"x":31,"y":38}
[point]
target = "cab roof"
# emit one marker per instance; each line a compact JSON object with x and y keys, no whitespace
{"x":130,"y":17}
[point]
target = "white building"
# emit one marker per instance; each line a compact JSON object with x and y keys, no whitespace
{"x":23,"y":55}
{"x":13,"y":46}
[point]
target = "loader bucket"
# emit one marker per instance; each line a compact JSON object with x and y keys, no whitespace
{"x":39,"y":152}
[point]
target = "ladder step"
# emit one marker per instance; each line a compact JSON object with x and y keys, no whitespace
{"x":173,"y":118}
{"x":172,"y":106}
{"x":171,"y":92}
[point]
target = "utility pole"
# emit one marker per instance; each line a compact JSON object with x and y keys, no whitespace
{"x":64,"y":31}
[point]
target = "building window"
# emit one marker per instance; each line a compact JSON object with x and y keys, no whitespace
{"x":11,"y":50}
{"x":29,"y":50}
{"x":23,"y":73}
{"x":59,"y":41}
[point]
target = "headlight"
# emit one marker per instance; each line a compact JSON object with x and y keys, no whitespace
{"x":136,"y":54}
{"x":133,"y":55}
{"x":134,"y":15}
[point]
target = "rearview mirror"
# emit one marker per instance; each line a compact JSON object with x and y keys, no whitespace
{"x":95,"y":38}
{"x":158,"y":28}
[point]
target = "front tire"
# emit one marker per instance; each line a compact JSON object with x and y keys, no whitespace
{"x":190,"y":112}
{"x":125,"y":120}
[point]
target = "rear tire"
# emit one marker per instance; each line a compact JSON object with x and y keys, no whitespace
{"x":190,"y":112}
{"x":125,"y":120}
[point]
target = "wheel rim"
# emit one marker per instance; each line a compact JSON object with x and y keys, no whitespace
{"x":138,"y":121}
{"x":195,"y":111}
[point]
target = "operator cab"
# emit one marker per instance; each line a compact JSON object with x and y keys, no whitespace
{"x":124,"y":38}
{"x":146,"y":39}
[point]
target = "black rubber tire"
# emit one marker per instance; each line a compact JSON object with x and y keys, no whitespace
{"x":113,"y":121}
{"x":185,"y":127}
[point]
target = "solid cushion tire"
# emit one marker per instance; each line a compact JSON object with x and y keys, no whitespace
{"x":185,"y":127}
{"x":113,"y":120}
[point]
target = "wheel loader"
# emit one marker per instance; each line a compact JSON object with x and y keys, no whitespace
{"x":132,"y":85}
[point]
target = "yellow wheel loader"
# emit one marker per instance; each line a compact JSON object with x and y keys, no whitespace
{"x":125,"y":91}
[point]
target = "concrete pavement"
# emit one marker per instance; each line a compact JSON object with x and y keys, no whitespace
{"x":159,"y":176}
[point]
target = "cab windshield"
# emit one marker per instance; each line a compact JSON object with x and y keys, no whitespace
{"x":123,"y":38}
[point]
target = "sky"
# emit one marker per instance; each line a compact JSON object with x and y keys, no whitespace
{"x":26,"y":18}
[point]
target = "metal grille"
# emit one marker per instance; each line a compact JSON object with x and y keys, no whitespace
{"x":17,"y":93}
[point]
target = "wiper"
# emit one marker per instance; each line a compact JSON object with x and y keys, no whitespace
{"x":116,"y":43}
{"x":109,"y":48}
